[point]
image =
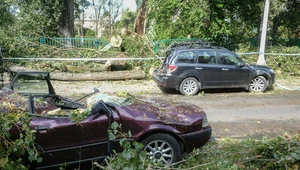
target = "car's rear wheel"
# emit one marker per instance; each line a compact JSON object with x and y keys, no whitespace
{"x":189,"y":86}
{"x":162,"y":148}
{"x":258,"y":84}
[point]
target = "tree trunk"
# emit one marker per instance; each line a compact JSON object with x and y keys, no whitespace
{"x":66,"y":20}
{"x":140,"y":20}
{"x":106,"y":75}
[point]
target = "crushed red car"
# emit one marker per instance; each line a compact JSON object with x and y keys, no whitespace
{"x":167,"y":129}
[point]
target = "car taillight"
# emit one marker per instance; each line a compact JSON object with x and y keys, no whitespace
{"x":171,"y":68}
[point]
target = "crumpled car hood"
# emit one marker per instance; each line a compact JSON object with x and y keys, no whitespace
{"x":169,"y":112}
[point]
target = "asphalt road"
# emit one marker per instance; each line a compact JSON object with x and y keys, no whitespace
{"x":241,"y":114}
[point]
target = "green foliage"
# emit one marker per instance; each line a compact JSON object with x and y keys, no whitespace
{"x":6,"y":17}
{"x":132,"y":157}
{"x":36,"y":17}
{"x":127,"y":20}
{"x":282,"y":65}
{"x":218,"y":21}
{"x":281,"y":152}
{"x":78,"y":115}
{"x":136,"y":46}
{"x":268,"y":153}
{"x":15,"y":151}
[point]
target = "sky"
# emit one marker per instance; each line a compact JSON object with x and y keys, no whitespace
{"x":130,"y":4}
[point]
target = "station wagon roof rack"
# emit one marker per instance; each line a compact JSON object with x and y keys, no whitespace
{"x":196,"y":44}
{"x":191,"y":43}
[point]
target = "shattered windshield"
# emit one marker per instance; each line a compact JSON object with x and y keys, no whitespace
{"x":119,"y":100}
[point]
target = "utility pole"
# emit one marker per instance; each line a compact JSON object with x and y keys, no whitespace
{"x":261,"y":58}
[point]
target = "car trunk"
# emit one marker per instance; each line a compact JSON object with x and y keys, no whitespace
{"x":163,"y":69}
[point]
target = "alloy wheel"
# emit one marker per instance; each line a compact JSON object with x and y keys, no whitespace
{"x":159,"y":150}
{"x":189,"y":86}
{"x":258,"y":84}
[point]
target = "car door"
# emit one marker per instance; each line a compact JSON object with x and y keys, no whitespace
{"x":63,"y":141}
{"x":208,"y":69}
{"x":234,"y":71}
{"x":32,"y":83}
{"x":185,"y":62}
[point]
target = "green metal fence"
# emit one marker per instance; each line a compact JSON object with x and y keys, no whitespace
{"x":73,"y":42}
{"x":159,"y":46}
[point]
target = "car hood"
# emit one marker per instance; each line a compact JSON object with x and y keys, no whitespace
{"x":168,"y":112}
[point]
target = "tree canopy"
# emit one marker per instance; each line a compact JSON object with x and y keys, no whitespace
{"x":220,"y":21}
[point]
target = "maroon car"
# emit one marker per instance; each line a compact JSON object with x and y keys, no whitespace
{"x":167,"y":129}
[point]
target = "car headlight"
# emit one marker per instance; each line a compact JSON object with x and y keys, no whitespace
{"x":271,"y":70}
{"x":204,"y":122}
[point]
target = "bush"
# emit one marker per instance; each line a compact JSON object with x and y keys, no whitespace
{"x":282,"y":65}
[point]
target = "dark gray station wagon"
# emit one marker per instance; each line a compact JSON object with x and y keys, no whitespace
{"x":194,"y":65}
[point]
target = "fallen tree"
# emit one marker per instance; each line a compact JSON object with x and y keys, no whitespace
{"x":136,"y":73}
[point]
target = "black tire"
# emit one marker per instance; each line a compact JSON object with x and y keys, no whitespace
{"x":189,"y":86}
{"x":168,"y":154}
{"x":258,"y":84}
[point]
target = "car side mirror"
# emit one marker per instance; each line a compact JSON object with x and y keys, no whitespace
{"x":240,"y":65}
{"x":98,"y":108}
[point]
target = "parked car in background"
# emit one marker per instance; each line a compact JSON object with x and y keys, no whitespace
{"x":193,"y":65}
{"x":167,"y":129}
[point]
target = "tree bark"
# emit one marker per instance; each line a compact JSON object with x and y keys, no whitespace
{"x":140,"y":20}
{"x":66,"y":20}
{"x":99,"y":76}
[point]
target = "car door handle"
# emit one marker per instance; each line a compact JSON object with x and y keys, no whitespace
{"x":225,"y":69}
{"x":198,"y":68}
{"x":42,"y":129}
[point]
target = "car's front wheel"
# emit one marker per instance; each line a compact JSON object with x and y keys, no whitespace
{"x":162,"y":148}
{"x":258,"y":84}
{"x":189,"y":86}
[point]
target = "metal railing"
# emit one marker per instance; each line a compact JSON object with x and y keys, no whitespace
{"x":91,"y":43}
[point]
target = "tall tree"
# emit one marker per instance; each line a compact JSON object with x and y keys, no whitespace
{"x":82,"y":5}
{"x":114,"y":9}
{"x":6,"y":16}
{"x":99,"y":11}
{"x":221,"y":21}
{"x":36,"y":16}
{"x":66,"y":19}
{"x":141,"y":18}
{"x":127,"y":19}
